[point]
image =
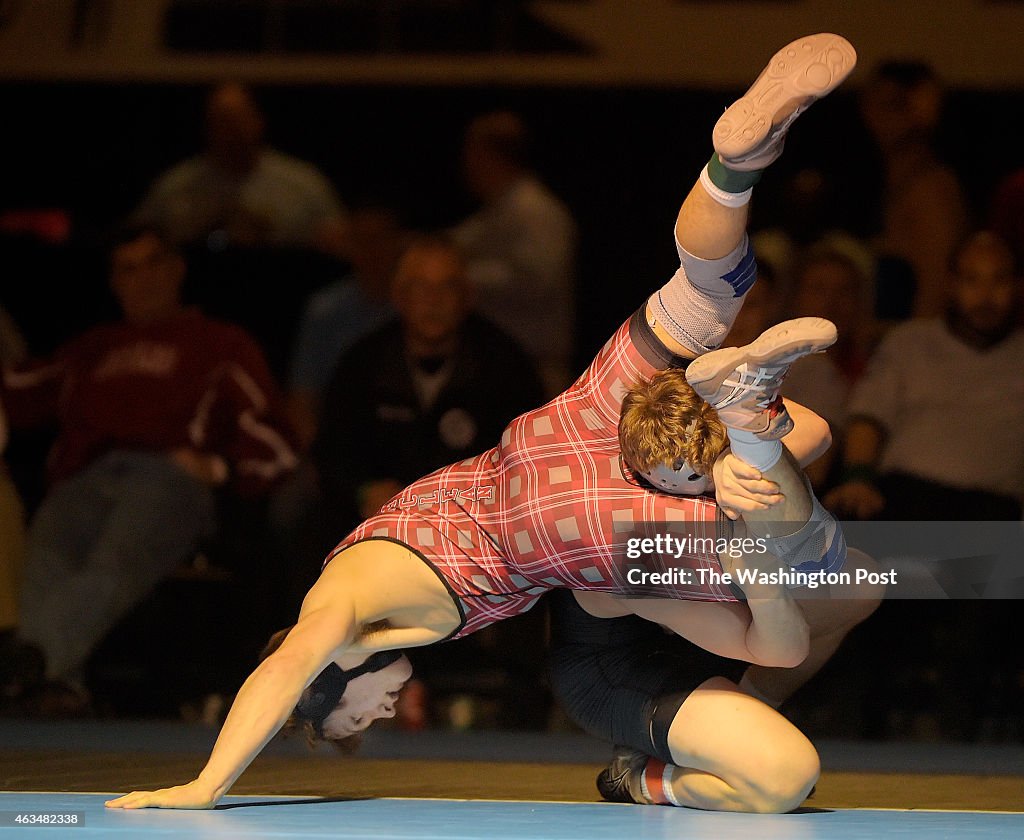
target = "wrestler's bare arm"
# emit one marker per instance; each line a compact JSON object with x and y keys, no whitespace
{"x":372,"y":582}
{"x":265,"y":701}
{"x":740,"y":488}
{"x":268,"y":697}
{"x":769,"y":629}
{"x":811,"y":436}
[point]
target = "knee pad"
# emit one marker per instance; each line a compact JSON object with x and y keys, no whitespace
{"x":730,"y":276}
{"x":698,"y":305}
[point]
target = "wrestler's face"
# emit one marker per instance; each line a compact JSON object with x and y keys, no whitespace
{"x":367,"y":698}
{"x":677,"y":479}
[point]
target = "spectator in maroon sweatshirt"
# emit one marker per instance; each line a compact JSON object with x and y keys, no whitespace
{"x":154,"y":412}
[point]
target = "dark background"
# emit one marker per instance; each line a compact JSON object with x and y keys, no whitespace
{"x":621,"y":158}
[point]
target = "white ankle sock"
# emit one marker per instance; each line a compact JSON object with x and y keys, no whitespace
{"x":656,"y":783}
{"x":729,"y":199}
{"x":749,"y":448}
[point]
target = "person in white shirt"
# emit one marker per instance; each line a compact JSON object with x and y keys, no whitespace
{"x":934,"y":429}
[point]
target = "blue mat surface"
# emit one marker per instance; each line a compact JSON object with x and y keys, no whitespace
{"x":436,"y":819}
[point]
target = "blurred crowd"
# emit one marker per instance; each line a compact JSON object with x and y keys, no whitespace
{"x":179,"y":468}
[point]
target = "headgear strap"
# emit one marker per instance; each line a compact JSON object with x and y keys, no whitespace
{"x":326,"y":691}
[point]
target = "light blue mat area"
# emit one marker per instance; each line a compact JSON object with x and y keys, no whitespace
{"x":438,"y":819}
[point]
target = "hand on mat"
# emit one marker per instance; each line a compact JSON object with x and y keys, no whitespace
{"x":193,"y":796}
{"x":740,"y":489}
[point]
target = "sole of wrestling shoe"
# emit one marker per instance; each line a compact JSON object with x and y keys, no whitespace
{"x":782,"y":344}
{"x":799,"y":74}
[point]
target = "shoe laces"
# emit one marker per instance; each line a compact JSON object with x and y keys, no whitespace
{"x":766,"y":379}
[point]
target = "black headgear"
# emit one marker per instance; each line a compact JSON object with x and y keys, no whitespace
{"x":325,"y":692}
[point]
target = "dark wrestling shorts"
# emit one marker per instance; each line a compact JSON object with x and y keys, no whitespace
{"x":624,"y":679}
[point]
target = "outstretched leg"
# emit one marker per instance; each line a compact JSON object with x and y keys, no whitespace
{"x":743,"y":385}
{"x":693,"y":312}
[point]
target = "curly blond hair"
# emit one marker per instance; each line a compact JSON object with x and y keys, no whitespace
{"x":663,"y":420}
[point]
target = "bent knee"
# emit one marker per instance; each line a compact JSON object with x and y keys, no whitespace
{"x":785,"y":781}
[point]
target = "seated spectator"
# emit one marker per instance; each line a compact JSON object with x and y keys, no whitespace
{"x":905,"y":456}
{"x":20,"y":664}
{"x":343,"y":312}
{"x":811,"y":206}
{"x":925,"y":211}
{"x":520,"y":246}
{"x":436,"y":387}
{"x":431,"y":389}
{"x":935,"y":434}
{"x":154,"y":413}
{"x":335,"y":317}
{"x":241,"y":192}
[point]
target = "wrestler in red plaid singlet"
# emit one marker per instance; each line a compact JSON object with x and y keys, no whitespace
{"x":552,"y":505}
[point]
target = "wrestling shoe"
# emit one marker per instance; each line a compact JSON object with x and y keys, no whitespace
{"x":742,"y":383}
{"x":751,"y":132}
{"x":620,"y":781}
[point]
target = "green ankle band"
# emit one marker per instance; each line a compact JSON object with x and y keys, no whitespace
{"x":730,"y":180}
